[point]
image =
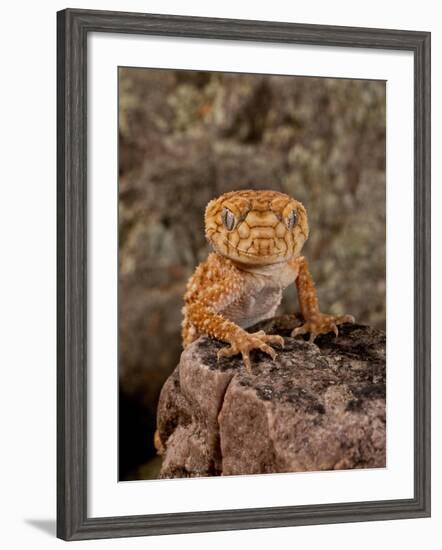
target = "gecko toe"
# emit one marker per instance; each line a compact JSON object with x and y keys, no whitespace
{"x":267,"y":349}
{"x":276,"y":339}
{"x":299,"y":331}
{"x":247,"y":362}
{"x":273,"y":339}
{"x":345,"y":319}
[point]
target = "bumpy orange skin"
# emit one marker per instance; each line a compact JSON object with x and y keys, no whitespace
{"x":257,"y":237}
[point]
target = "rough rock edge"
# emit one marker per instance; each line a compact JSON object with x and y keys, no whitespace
{"x":197,"y":428}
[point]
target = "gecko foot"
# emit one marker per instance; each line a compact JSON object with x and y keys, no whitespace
{"x":246,"y":342}
{"x":322,"y":324}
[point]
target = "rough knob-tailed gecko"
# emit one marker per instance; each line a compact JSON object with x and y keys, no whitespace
{"x":257,"y":237}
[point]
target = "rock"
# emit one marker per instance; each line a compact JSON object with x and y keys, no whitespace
{"x":317,"y":407}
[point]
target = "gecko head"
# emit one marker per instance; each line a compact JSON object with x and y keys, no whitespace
{"x":256,"y":227}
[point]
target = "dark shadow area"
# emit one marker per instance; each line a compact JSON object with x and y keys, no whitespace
{"x":136,"y":431}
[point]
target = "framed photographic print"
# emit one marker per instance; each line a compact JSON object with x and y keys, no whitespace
{"x":243,"y":274}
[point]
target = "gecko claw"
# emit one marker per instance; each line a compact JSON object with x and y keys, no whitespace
{"x":245,"y":343}
{"x":270,"y":351}
{"x":322,"y":324}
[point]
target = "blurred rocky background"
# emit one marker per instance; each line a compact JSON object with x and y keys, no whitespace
{"x":186,"y":137}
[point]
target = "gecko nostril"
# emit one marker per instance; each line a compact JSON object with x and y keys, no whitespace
{"x":262,"y":232}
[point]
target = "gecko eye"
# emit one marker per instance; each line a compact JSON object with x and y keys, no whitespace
{"x":291,"y":219}
{"x":228,"y":219}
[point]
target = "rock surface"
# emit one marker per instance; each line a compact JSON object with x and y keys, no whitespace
{"x":317,"y":407}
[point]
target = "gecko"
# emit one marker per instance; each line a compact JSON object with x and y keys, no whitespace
{"x":257,"y":237}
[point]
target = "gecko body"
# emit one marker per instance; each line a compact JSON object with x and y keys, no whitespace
{"x":257,"y":237}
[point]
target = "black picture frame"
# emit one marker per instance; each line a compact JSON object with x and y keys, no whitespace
{"x":73,"y":27}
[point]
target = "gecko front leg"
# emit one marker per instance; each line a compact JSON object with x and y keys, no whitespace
{"x":203,"y":317}
{"x":205,"y":301}
{"x":315,"y":322}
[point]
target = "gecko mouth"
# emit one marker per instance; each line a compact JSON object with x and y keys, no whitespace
{"x":277,"y":254}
